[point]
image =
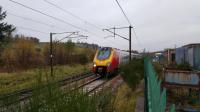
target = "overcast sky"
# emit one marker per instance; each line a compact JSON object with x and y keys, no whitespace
{"x":158,"y":24}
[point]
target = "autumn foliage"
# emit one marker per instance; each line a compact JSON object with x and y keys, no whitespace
{"x":24,"y":53}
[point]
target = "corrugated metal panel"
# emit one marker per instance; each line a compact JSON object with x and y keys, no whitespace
{"x":186,"y":55}
{"x":191,"y":56}
{"x":181,"y":78}
{"x":180,"y":55}
{"x":197,"y":57}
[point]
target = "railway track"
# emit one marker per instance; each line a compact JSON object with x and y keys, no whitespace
{"x":25,"y":94}
{"x":100,"y":85}
{"x":88,"y":82}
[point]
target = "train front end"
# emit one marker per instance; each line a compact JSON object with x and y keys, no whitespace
{"x":106,"y":61}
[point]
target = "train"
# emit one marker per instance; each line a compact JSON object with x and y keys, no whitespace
{"x":107,"y":60}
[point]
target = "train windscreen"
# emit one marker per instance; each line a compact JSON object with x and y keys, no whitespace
{"x":104,"y":53}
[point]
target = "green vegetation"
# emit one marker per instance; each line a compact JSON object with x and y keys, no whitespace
{"x":24,"y":57}
{"x":10,"y":82}
{"x":52,"y":99}
{"x":133,"y":72}
{"x":184,"y":96}
{"x":126,"y":95}
{"x":184,"y":66}
{"x":5,"y":30}
{"x":159,"y":69}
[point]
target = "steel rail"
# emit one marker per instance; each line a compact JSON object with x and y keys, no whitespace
{"x":94,"y":79}
{"x":103,"y":85}
{"x":26,"y":90}
{"x":96,"y":87}
{"x":26,"y":93}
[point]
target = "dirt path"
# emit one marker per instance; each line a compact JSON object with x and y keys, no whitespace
{"x":140,"y":99}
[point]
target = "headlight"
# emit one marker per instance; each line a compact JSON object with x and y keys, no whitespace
{"x":94,"y":65}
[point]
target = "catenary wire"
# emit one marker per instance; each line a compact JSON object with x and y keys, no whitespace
{"x":30,"y":29}
{"x":73,"y":15}
{"x":123,"y":12}
{"x":128,"y":21}
{"x":35,"y":21}
{"x":55,"y":18}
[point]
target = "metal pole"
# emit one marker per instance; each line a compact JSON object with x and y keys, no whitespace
{"x":51,"y":54}
{"x":130,"y":43}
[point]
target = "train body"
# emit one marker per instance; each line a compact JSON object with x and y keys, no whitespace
{"x":107,"y":60}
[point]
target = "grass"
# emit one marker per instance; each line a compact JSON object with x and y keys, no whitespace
{"x":125,"y":99}
{"x":52,"y":99}
{"x":10,"y":82}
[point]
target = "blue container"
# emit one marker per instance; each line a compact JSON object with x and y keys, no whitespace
{"x":180,"y":55}
{"x":192,"y":55}
{"x":196,"y":51}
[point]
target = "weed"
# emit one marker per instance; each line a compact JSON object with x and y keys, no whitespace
{"x":133,"y":72}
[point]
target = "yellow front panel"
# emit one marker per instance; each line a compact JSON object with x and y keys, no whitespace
{"x":103,"y":62}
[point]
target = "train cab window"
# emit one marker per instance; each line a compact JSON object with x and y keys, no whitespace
{"x":104,"y":53}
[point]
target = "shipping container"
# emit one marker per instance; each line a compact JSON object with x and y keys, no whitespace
{"x":180,"y":55}
{"x":190,"y":57}
{"x":196,"y":60}
{"x":189,"y":54}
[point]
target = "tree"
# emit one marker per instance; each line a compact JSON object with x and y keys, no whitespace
{"x":5,"y":29}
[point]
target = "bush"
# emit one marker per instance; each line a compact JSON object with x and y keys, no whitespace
{"x":24,"y":53}
{"x":8,"y":58}
{"x":83,"y":59}
{"x":133,"y":72}
{"x":62,"y":53}
{"x":21,"y":53}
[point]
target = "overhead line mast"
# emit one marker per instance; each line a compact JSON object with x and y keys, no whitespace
{"x":128,"y":21}
{"x":55,"y":18}
{"x":75,"y":16}
{"x":129,"y":39}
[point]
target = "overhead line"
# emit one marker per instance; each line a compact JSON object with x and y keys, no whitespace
{"x":128,"y":20}
{"x":139,"y":43}
{"x":123,"y":12}
{"x":75,"y":16}
{"x":116,"y":34}
{"x":55,"y":18}
{"x":36,"y":21}
{"x":30,"y":29}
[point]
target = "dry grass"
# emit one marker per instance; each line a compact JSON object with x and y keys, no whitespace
{"x":126,"y":99}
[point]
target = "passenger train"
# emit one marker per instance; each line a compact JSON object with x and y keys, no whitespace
{"x":107,"y":60}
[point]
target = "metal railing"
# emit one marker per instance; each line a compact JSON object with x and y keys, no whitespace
{"x":155,"y":96}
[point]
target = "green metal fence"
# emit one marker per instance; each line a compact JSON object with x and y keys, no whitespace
{"x":155,"y":96}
